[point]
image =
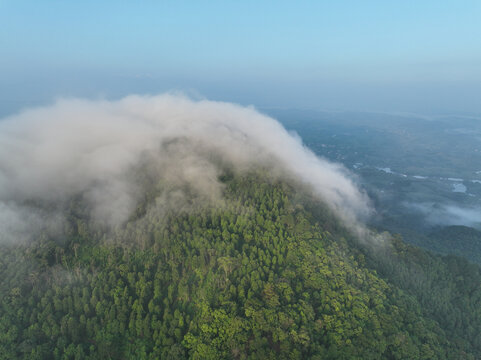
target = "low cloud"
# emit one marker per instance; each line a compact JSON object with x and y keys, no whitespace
{"x":447,"y":214}
{"x":94,"y":149}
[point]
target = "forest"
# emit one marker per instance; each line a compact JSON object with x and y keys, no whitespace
{"x":270,"y":273}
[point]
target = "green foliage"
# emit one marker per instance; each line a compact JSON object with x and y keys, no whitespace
{"x":259,"y":277}
{"x":457,"y":240}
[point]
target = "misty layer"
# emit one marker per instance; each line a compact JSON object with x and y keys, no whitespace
{"x":447,"y":214}
{"x":93,"y":148}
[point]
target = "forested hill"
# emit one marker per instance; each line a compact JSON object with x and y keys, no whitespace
{"x":267,"y":274}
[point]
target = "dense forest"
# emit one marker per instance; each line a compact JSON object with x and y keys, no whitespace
{"x":269,"y":273}
{"x":457,"y":239}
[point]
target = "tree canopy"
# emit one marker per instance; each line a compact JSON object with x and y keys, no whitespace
{"x":269,"y":274}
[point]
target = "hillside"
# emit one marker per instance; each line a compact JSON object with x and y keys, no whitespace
{"x":267,"y":274}
{"x":457,"y":239}
{"x":420,"y":172}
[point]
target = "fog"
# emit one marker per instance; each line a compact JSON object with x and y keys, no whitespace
{"x":95,"y":149}
{"x":447,"y":214}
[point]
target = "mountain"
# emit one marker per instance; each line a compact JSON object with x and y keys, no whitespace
{"x":269,"y":272}
{"x":419,"y":171}
{"x":457,"y":239}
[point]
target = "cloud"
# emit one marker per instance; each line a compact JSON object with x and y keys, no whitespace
{"x":93,"y":149}
{"x":21,"y":223}
{"x":447,"y":214}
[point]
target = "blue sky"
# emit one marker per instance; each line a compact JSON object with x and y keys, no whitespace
{"x":420,"y":56}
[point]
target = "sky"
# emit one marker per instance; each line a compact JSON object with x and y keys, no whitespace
{"x":413,"y":56}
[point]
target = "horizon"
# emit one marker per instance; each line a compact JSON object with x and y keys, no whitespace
{"x":349,"y":56}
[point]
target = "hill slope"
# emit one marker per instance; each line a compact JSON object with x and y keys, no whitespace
{"x":269,"y":274}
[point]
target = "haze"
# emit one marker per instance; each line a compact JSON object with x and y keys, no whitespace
{"x":348,"y":55}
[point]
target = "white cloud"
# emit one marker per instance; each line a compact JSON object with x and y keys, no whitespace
{"x":92,"y":147}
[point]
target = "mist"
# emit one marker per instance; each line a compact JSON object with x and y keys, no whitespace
{"x":94,"y":149}
{"x":447,"y":214}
